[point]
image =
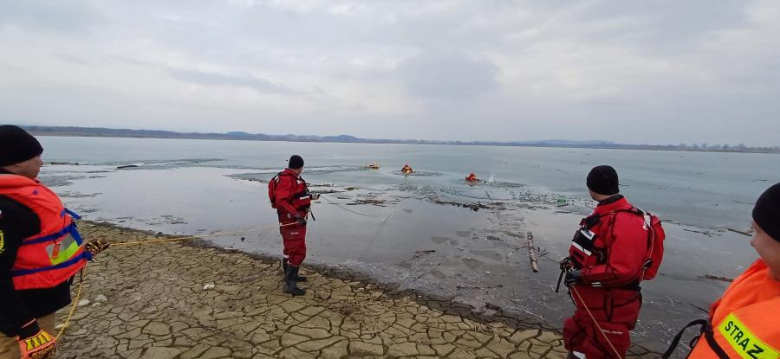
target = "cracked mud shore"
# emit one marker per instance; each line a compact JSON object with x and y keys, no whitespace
{"x":188,"y":300}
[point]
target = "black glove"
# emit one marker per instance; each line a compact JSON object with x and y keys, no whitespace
{"x":565,"y":264}
{"x":573,"y":277}
{"x":301,"y":220}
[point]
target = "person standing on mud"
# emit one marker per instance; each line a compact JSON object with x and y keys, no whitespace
{"x":40,"y":250}
{"x":291,"y":198}
{"x":745,"y":321}
{"x":610,"y":254}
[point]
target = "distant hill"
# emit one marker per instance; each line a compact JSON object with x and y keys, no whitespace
{"x":245,"y":136}
{"x":234,"y":135}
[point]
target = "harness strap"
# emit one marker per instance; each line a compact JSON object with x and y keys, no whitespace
{"x":74,"y":232}
{"x":301,"y":194}
{"x":706,"y":330}
{"x":709,"y":335}
{"x":72,"y":214}
{"x":81,"y":257}
{"x":57,"y":235}
{"x":54,"y":236}
{"x":295,"y":196}
{"x":592,"y":221}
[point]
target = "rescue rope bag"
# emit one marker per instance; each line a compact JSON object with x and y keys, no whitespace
{"x":272,"y":189}
{"x":656,"y":237}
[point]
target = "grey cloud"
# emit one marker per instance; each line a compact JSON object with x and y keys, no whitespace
{"x":448,"y":76}
{"x":672,"y":20}
{"x":130,"y":61}
{"x":529,"y":69}
{"x":52,"y":16}
{"x":76,"y":60}
{"x":258,"y":84}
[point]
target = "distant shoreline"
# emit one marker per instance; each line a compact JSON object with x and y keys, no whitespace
{"x":55,"y":131}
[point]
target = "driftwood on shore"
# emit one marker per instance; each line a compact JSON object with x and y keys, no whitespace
{"x":418,"y":254}
{"x":328,"y":191}
{"x":706,"y":233}
{"x":376,"y":202}
{"x":473,"y":206}
{"x":715,"y":277}
{"x":532,"y":252}
{"x":740,"y":232}
{"x":460,"y":287}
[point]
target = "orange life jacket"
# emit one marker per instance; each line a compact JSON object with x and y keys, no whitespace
{"x":54,"y":254}
{"x":744,"y":323}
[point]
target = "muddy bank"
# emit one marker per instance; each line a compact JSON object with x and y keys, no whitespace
{"x":191,"y":300}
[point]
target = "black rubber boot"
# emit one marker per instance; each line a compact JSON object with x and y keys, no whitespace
{"x":299,"y":278}
{"x":290,"y":284}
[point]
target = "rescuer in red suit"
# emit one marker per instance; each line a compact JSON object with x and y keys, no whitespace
{"x":606,"y":262}
{"x":291,"y":197}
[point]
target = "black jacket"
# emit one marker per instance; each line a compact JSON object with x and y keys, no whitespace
{"x":18,"y":308}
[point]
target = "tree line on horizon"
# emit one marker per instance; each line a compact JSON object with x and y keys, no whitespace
{"x":238,"y":135}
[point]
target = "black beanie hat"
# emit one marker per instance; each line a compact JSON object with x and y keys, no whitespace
{"x":603,"y":180}
{"x":296,"y":162}
{"x":16,"y":145}
{"x":766,"y":213}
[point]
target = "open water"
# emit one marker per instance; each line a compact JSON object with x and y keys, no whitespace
{"x":414,"y":230}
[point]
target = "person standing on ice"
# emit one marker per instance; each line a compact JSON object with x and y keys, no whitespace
{"x":291,"y":198}
{"x":616,"y":247}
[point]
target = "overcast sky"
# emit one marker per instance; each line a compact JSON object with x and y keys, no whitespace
{"x":625,"y":71}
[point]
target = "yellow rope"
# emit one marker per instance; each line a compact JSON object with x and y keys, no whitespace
{"x":574,"y":289}
{"x":75,"y":303}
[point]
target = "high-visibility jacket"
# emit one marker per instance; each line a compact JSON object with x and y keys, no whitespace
{"x":54,"y":254}
{"x":745,"y":321}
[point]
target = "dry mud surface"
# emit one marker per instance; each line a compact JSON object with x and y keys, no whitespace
{"x":189,"y":300}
